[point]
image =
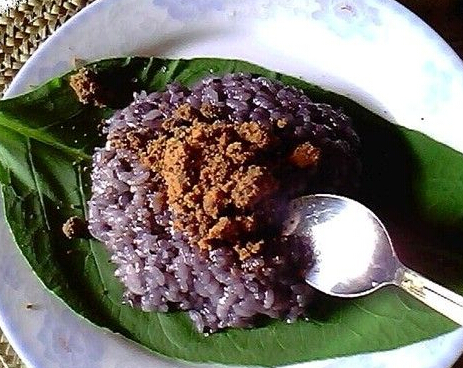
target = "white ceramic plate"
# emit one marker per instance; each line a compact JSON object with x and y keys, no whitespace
{"x":374,"y":51}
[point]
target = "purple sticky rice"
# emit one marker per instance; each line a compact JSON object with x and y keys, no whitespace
{"x":156,"y":264}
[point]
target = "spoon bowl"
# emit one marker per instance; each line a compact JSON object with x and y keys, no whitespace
{"x":353,"y":253}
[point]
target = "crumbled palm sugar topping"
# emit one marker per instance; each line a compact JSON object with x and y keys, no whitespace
{"x":305,"y":155}
{"x":219,"y":175}
{"x":75,"y":227}
{"x":86,"y":87}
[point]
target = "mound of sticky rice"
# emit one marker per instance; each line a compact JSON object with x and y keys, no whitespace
{"x":151,"y":205}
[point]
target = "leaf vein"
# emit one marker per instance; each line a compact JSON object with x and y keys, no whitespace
{"x":30,"y":161}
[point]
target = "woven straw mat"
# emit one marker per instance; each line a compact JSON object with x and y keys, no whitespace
{"x":25,"y":26}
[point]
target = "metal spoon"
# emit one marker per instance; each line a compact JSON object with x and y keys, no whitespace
{"x":353,"y":253}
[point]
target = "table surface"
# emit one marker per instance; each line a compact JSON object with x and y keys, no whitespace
{"x":446,"y":17}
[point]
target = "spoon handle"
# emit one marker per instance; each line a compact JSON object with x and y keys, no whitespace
{"x":443,"y":300}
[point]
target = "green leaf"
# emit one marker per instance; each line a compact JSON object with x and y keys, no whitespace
{"x":414,"y":183}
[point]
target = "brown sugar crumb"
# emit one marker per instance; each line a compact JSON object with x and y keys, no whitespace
{"x":185,"y":112}
{"x":153,"y":153}
{"x":252,"y":185}
{"x":305,"y":155}
{"x":75,"y":227}
{"x":229,"y":229}
{"x":171,"y":123}
{"x":250,"y":249}
{"x":237,"y":152}
{"x":86,"y":87}
{"x":253,"y":132}
{"x":281,"y":123}
{"x":214,"y":202}
{"x":184,"y":115}
{"x":134,"y":140}
{"x":209,"y":111}
{"x":217,"y":177}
